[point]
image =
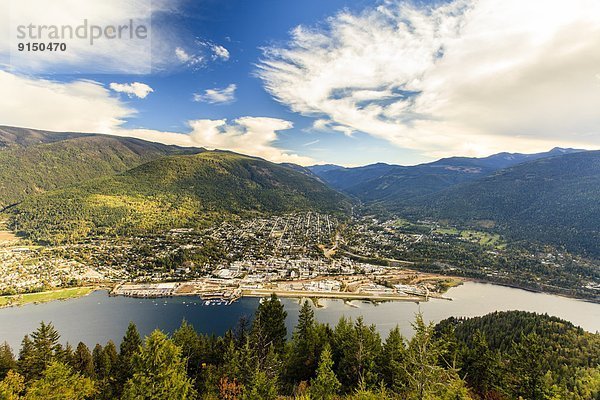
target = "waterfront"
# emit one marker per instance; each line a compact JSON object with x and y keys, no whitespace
{"x":98,"y":317}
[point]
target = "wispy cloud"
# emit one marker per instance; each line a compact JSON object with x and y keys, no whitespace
{"x":137,"y":89}
{"x":255,"y":136}
{"x":220,"y":52}
{"x":311,"y":143}
{"x":182,"y":55}
{"x":465,"y":77}
{"x":217,"y":96}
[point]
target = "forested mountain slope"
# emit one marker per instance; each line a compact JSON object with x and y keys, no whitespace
{"x":391,"y":185}
{"x":552,"y":200}
{"x":35,"y":161}
{"x":172,"y":192}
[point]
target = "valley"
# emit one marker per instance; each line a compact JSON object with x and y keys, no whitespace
{"x":226,"y":222}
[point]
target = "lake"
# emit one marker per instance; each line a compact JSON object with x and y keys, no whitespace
{"x":97,"y":318}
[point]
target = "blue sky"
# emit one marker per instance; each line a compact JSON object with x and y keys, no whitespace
{"x":244,"y":28}
{"x":335,"y":81}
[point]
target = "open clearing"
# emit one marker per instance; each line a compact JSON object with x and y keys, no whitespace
{"x":43,"y":297}
{"x":6,"y":235}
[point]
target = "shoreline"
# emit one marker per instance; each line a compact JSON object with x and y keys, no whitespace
{"x":257,"y":293}
{"x":47,"y":296}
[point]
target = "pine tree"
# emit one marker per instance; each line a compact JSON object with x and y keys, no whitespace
{"x":130,"y":345}
{"x":159,"y":372}
{"x":83,"y":362}
{"x":7,"y":360}
{"x":302,"y":357}
{"x":359,"y":348}
{"x":422,"y":363}
{"x":392,"y":361}
{"x":481,"y":365}
{"x":60,"y":382}
{"x":66,"y":355}
{"x":101,"y":362}
{"x":25,"y":360}
{"x":187,"y":339}
{"x":12,"y":386}
{"x":269,"y":328}
{"x":526,"y":368}
{"x":39,"y":351}
{"x":326,"y":384}
{"x":262,"y":387}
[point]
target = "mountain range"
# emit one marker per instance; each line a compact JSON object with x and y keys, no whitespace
{"x":551,"y":197}
{"x":62,"y":186}
{"x":393,"y":184}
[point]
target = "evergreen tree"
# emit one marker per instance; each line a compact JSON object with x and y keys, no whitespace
{"x":302,"y":356}
{"x":188,"y":340}
{"x":112,"y":356}
{"x":480,"y":365}
{"x":40,"y":351}
{"x":25,"y":360}
{"x":101,"y":362}
{"x":12,"y":386}
{"x":526,"y":368}
{"x":159,"y":372}
{"x":326,"y":384}
{"x":60,"y":382}
{"x":7,"y":360}
{"x":359,"y":348}
{"x":241,"y":332}
{"x":269,"y":328}
{"x":83,"y":362}
{"x":392,"y":361}
{"x":66,"y":355}
{"x":262,"y":387}
{"x":130,"y":345}
{"x":426,"y":377}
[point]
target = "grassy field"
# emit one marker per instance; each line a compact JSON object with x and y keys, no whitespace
{"x":401,"y":222}
{"x":483,"y":238}
{"x":43,"y":297}
{"x":447,"y":230}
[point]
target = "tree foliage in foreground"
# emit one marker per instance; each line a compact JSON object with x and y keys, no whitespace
{"x":511,"y":355}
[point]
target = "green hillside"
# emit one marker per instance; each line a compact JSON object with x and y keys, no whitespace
{"x":517,"y":354}
{"x":11,"y":136}
{"x":554,"y":200}
{"x":28,"y":167}
{"x":176,"y":191}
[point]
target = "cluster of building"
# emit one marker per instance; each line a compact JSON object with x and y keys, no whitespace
{"x":26,"y":269}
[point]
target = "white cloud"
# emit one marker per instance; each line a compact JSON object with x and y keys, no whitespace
{"x":220,"y":52}
{"x":182,"y":55}
{"x":466,"y":77}
{"x":137,"y":89}
{"x":254,"y":136}
{"x":196,"y":60}
{"x":87,"y":106}
{"x":217,"y":96}
{"x":248,"y":135}
{"x":78,"y":106}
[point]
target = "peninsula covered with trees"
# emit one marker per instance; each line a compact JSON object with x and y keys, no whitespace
{"x":504,"y":355}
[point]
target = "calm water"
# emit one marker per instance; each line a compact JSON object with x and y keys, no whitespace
{"x":97,"y":318}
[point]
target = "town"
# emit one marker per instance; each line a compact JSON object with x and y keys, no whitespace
{"x":296,"y":255}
